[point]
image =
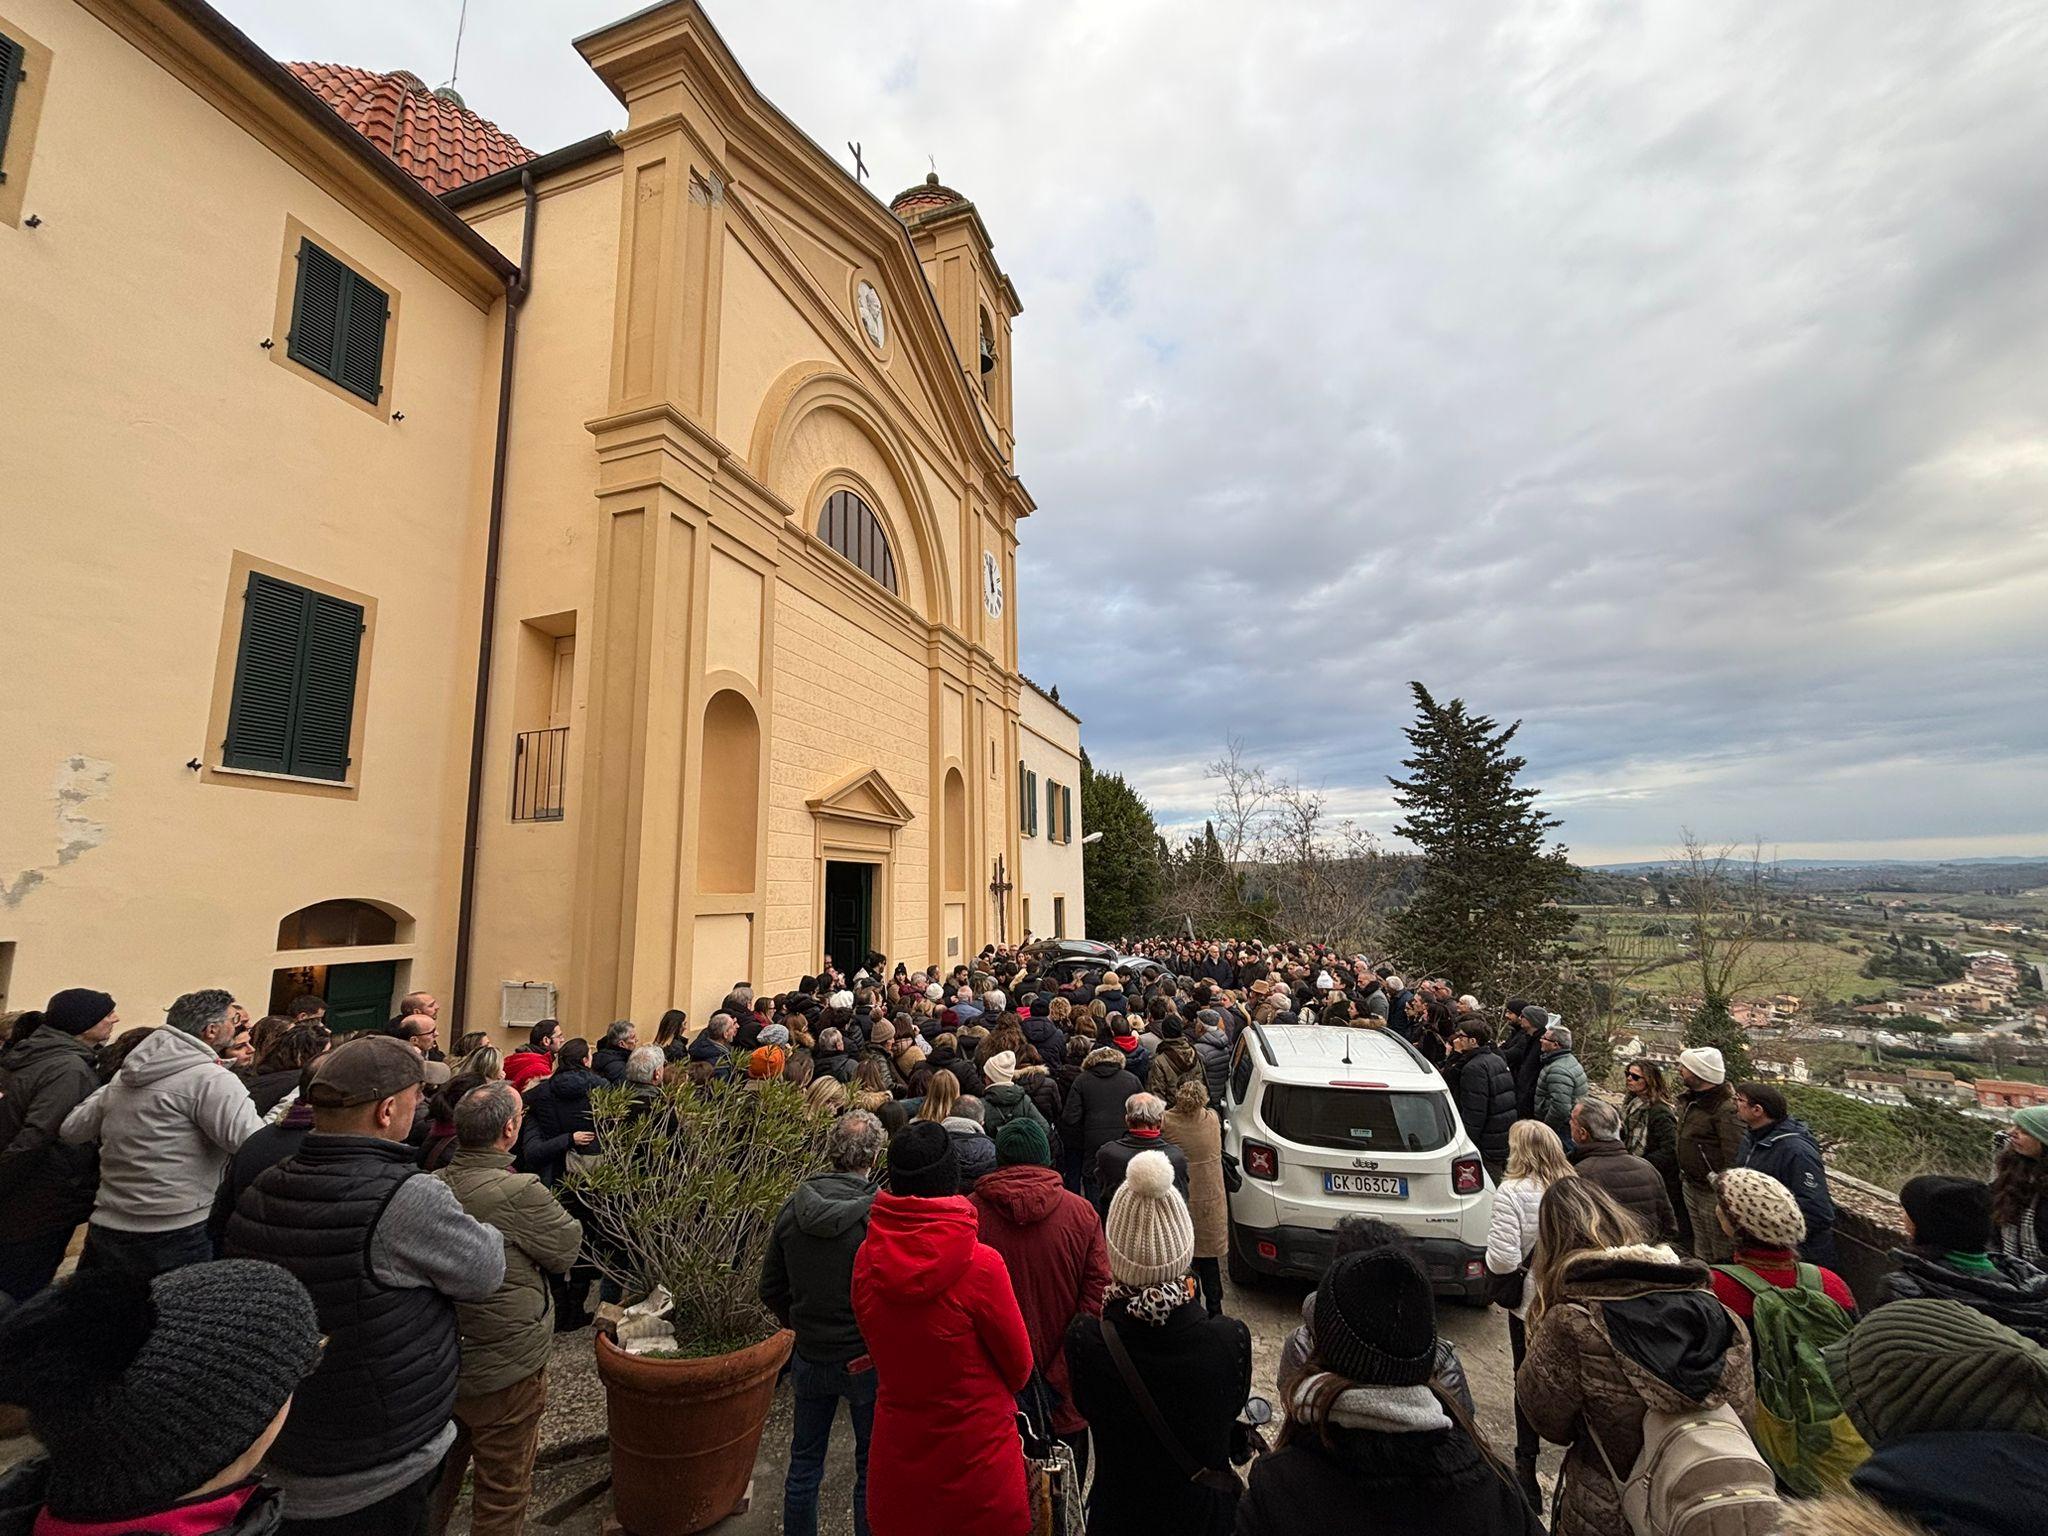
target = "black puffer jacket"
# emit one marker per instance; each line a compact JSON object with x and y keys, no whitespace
{"x":1198,"y":1370}
{"x":608,"y":1061}
{"x":557,"y":1108}
{"x":1214,"y":1053}
{"x":1094,"y":1112}
{"x":1487,"y":1101}
{"x":1374,"y":1483}
{"x":1524,"y":1057}
{"x":44,"y":1184}
{"x":2017,"y":1295}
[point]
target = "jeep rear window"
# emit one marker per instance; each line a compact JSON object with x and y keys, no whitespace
{"x":1358,"y":1119}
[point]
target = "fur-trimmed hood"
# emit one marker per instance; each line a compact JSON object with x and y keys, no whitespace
{"x":1845,"y":1514}
{"x":1640,"y":1269}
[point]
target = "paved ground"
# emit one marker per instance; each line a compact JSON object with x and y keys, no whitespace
{"x":573,"y":1446}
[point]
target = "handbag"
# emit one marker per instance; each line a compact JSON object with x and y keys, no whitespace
{"x":1506,"y":1290}
{"x":1216,"y":1480}
{"x":1051,"y":1479}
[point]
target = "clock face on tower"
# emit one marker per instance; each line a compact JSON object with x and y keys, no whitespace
{"x":991,"y":584}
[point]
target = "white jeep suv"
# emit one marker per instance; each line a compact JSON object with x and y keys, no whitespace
{"x":1325,"y":1123}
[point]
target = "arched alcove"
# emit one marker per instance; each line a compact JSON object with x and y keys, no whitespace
{"x":956,"y":831}
{"x":728,"y":795}
{"x":343,"y":923}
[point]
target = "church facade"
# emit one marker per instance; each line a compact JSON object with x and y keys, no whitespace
{"x":687,"y":653}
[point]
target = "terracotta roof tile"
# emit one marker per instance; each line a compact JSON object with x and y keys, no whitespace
{"x":923,"y":198}
{"x":437,"y":139}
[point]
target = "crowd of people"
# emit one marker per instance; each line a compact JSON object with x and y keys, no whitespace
{"x":326,"y":1273}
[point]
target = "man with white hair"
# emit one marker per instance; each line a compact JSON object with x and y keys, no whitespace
{"x":1144,"y":1115}
{"x":508,"y":1336}
{"x":994,"y":1001}
{"x":965,"y":1008}
{"x":1468,"y":1006}
{"x":644,"y":1068}
{"x":1637,"y":1187}
{"x":716,"y":1043}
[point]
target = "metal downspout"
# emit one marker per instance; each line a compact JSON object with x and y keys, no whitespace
{"x":515,"y":296}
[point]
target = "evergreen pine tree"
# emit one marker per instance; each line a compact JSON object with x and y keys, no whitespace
{"x":1490,"y":888}
{"x":1120,"y":874}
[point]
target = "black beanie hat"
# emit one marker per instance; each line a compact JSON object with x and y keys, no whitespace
{"x":922,"y":1161}
{"x":77,"y":1009}
{"x":1375,"y":1319}
{"x":143,"y":1390}
{"x":1949,"y":1213}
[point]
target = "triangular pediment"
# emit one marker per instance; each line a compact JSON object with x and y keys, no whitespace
{"x":863,"y":796}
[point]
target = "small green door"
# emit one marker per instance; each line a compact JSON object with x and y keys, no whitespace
{"x":849,"y":896}
{"x":360,"y":996}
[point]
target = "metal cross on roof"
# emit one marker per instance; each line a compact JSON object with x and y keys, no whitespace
{"x":860,"y":166}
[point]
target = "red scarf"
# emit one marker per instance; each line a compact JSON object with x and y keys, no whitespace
{"x":201,"y":1517}
{"x":1145,"y":1132}
{"x":1126,"y":1043}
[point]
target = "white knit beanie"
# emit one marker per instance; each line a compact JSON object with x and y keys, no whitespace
{"x":1000,"y":1068}
{"x":1150,"y":1235}
{"x":1705,"y":1063}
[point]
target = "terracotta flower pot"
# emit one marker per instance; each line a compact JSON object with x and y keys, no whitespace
{"x":684,"y":1433}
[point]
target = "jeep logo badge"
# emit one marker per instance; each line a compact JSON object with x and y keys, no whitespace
{"x":1364,"y":1162}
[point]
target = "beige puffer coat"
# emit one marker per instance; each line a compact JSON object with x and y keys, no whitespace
{"x":1200,"y":1139}
{"x":1576,"y":1376}
{"x":508,"y":1335}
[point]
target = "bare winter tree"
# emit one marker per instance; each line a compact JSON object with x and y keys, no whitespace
{"x":1272,"y":862}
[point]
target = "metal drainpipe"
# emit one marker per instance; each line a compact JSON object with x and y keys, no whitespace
{"x":465,"y":915}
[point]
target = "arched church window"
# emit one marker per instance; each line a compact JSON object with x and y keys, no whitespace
{"x":850,"y":526}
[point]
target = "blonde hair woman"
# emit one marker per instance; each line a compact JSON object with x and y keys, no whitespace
{"x":940,"y":1098}
{"x":1536,"y":1162}
{"x":484,"y":1063}
{"x":826,"y":1095}
{"x":1582,"y":1380}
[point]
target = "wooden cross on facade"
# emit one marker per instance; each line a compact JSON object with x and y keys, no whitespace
{"x":860,"y":166}
{"x":1000,"y":888}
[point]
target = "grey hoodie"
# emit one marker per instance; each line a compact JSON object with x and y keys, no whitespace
{"x":166,"y":1126}
{"x":807,"y":1277}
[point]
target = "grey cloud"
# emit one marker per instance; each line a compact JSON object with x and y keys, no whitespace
{"x":1668,"y":376}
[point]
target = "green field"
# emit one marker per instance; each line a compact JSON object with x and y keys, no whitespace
{"x":1658,"y":965}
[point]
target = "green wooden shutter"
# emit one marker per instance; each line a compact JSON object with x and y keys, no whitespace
{"x":1052,"y":810}
{"x":360,"y":368}
{"x":1066,"y":814}
{"x":338,"y":322}
{"x":294,"y":695}
{"x":327,"y":687}
{"x":266,"y":677}
{"x":1023,"y":798}
{"x":12,"y":57}
{"x":315,"y":336}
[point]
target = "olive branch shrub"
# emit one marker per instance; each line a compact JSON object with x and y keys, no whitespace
{"x":685,"y":1194}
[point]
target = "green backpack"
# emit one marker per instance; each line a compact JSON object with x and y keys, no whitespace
{"x":1800,"y":1426}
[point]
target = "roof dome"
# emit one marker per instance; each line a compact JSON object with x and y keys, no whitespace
{"x":927,"y":196}
{"x":437,"y":139}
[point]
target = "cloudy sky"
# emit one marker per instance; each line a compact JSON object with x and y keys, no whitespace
{"x":1672,"y":377}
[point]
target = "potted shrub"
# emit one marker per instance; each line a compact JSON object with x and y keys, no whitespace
{"x":683,"y":1200}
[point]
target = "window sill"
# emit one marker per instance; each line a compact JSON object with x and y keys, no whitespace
{"x":282,"y":778}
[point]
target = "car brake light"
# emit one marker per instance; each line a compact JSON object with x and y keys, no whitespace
{"x":1467,"y":1176}
{"x":1261,"y":1161}
{"x":1355,"y":1084}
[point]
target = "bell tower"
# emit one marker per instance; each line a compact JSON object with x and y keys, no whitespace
{"x":976,"y":299}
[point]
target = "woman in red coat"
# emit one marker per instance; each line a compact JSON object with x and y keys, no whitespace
{"x":950,"y":1350}
{"x":1051,"y":1242}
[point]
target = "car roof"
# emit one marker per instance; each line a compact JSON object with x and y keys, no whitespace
{"x":1311,"y":1053}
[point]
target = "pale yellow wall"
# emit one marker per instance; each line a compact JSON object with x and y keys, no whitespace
{"x":526,"y":870}
{"x":145,"y":438}
{"x":1051,"y":747}
{"x":842,"y":702}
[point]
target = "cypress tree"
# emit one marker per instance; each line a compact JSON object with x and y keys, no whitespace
{"x":1488,"y":904}
{"x":1120,"y":874}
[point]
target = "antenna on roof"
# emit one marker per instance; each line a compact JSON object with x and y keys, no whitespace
{"x":455,"y":64}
